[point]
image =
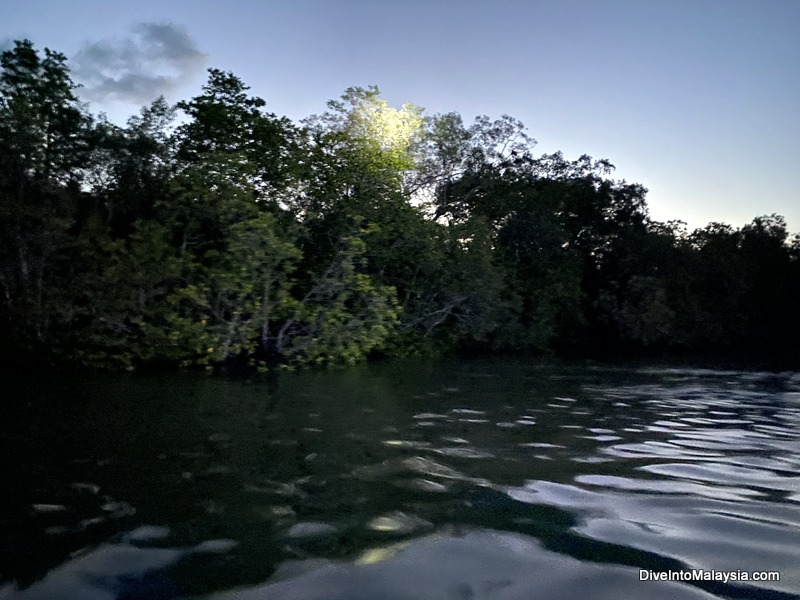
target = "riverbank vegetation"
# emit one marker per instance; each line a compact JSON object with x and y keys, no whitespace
{"x":214,"y":232}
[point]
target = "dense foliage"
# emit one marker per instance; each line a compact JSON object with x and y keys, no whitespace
{"x":231,"y":235}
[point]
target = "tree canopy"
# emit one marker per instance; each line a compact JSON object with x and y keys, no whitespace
{"x":240,"y":237}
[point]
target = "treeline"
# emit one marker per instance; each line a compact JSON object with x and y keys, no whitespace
{"x":215,"y":232}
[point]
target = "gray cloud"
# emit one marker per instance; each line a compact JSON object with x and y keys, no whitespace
{"x":155,"y":60}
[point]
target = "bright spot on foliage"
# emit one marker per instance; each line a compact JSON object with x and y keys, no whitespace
{"x":391,"y":128}
{"x":371,"y":119}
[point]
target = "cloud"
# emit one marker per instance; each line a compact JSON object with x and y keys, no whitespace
{"x":155,"y":60}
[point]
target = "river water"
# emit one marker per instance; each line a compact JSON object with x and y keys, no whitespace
{"x":465,"y":480}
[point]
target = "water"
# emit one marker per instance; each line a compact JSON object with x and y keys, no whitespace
{"x":461,"y":481}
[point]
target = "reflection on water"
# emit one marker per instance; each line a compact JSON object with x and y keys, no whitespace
{"x":473,"y":564}
{"x":474,"y":480}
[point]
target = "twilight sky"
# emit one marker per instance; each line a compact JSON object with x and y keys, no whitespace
{"x":698,"y":100}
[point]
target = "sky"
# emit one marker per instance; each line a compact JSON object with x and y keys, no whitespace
{"x":697,"y":100}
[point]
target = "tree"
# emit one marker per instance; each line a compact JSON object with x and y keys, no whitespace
{"x":454,"y":155}
{"x":226,"y":126}
{"x":343,"y":317}
{"x":43,"y":128}
{"x":768,"y":302}
{"x":238,"y":236}
{"x":133,"y":165}
{"x":366,"y":157}
{"x":361,"y":117}
{"x":44,"y":142}
{"x":249,"y":290}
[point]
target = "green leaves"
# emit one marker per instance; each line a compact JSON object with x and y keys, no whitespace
{"x":240,"y":237}
{"x":42,"y":126}
{"x":43,"y":150}
{"x":228,"y":126}
{"x":343,"y":317}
